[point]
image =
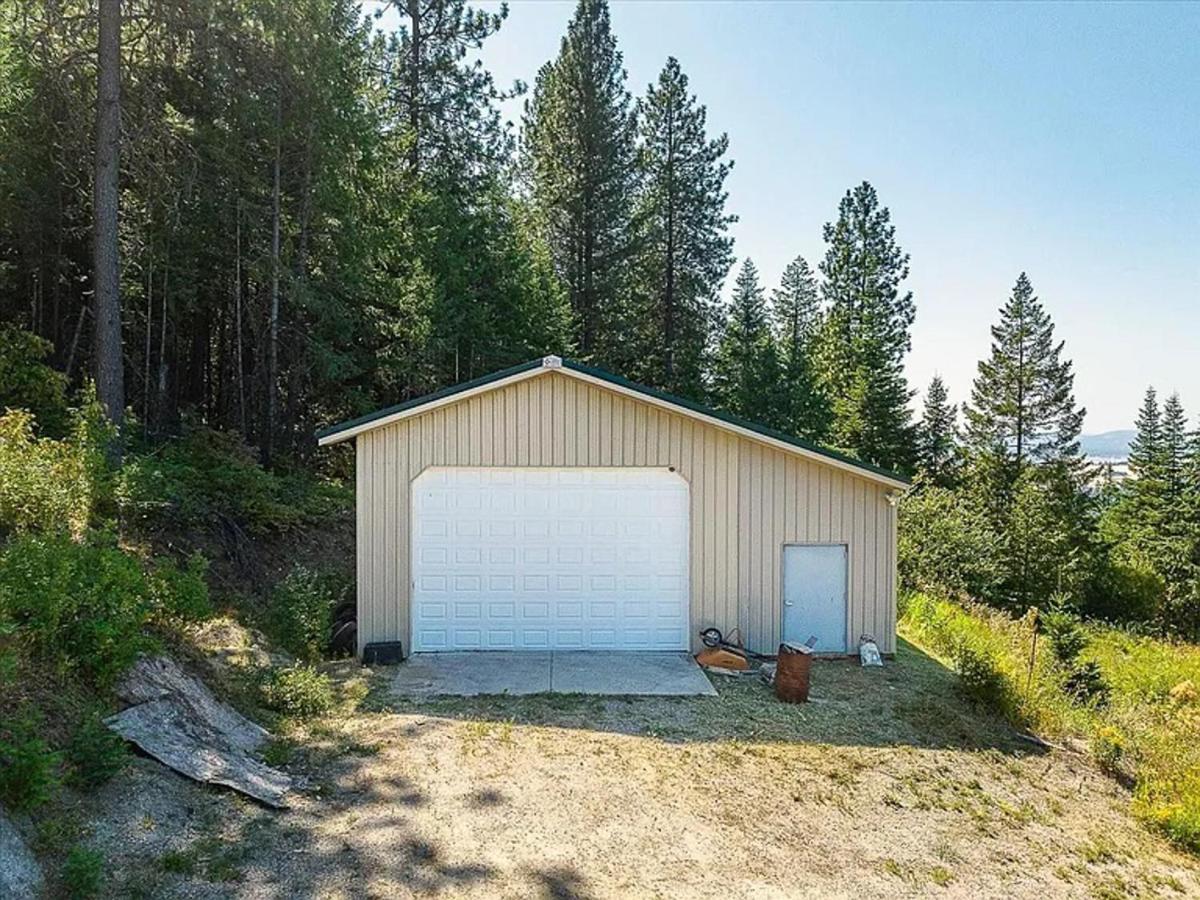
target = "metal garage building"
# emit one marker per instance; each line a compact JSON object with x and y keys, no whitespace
{"x":556,"y":506}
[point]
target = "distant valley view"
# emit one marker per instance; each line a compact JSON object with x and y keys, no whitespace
{"x":1108,"y":445}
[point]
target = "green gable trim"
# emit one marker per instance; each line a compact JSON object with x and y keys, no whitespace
{"x":625,"y":383}
{"x":428,"y":398}
{"x":732,"y":420}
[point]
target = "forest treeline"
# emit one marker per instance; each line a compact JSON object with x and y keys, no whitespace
{"x":315,"y":216}
{"x":318,"y":217}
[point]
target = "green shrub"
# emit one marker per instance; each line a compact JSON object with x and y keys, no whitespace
{"x":28,"y":767}
{"x":83,"y":873}
{"x":979,"y":677}
{"x":946,"y":545}
{"x":208,"y":474}
{"x":27,"y":383}
{"x":300,"y":610}
{"x":47,"y":484}
{"x":299,"y":691}
{"x":1065,"y":634}
{"x":82,"y":606}
{"x":95,"y":753}
{"x":79,"y":606}
{"x":1084,"y":683}
{"x":181,"y":593}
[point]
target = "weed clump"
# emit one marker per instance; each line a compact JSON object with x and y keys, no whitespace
{"x":83,"y":873}
{"x":300,"y":691}
{"x":300,"y":610}
{"x":28,"y":767}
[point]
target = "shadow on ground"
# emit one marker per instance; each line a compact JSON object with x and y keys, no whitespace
{"x":912,"y":701}
{"x":409,"y":797}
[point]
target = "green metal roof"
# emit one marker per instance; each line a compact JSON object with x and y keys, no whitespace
{"x":625,"y":383}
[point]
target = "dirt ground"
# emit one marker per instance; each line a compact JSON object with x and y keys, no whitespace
{"x":888,"y":784}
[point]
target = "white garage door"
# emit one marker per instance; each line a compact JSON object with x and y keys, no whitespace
{"x":531,"y":559}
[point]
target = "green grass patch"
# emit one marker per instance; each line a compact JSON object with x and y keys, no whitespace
{"x":1144,"y":725}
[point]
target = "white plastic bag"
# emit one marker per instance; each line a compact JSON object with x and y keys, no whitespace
{"x":868,"y":651}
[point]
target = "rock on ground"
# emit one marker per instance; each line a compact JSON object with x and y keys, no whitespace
{"x":20,"y":874}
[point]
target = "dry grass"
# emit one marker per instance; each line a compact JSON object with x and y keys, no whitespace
{"x":887,"y":784}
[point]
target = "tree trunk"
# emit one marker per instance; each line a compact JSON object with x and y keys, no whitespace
{"x":149,"y":346}
{"x":414,"y":87}
{"x":669,"y":290}
{"x":110,"y":375}
{"x":273,"y":324}
{"x":237,"y":314}
{"x":162,"y":344}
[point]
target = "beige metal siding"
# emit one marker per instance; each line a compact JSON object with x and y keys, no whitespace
{"x":748,"y":500}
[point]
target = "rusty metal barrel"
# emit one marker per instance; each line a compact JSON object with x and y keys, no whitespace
{"x":791,"y":673}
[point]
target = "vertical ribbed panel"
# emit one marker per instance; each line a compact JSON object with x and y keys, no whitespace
{"x":748,"y":500}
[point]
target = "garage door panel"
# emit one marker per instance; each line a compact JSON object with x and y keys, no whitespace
{"x":542,"y":558}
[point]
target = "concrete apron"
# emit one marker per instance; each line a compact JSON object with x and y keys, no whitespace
{"x":562,"y":672}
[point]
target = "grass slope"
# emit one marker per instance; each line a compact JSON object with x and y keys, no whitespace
{"x":1147,"y":731}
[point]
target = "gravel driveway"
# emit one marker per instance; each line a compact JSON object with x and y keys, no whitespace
{"x":887,"y":784}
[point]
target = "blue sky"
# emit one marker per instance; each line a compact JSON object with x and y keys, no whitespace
{"x":1063,"y":140}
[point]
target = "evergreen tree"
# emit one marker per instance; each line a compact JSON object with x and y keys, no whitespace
{"x":865,"y":334}
{"x":1141,"y":504}
{"x":797,"y":306}
{"x":446,"y":116}
{"x":1145,"y":450}
{"x":684,"y":244}
{"x":467,"y":267}
{"x":746,"y":369}
{"x":578,"y":151}
{"x":1023,"y":445}
{"x":937,"y":436}
{"x":1022,"y":410}
{"x":1177,"y":549}
{"x":1175,"y":444}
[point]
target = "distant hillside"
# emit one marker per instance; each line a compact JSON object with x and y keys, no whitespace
{"x":1108,"y":445}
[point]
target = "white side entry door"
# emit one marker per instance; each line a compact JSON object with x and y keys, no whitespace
{"x":814,"y":595}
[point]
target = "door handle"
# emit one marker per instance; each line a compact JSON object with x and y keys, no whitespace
{"x":788,"y":603}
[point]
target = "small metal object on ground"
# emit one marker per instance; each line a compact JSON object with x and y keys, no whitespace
{"x":791,"y":673}
{"x":713,"y":639}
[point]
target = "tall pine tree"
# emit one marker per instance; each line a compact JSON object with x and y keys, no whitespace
{"x":797,"y":307}
{"x":446,"y":116}
{"x":1141,"y":505}
{"x":746,"y":370}
{"x":1145,"y":450}
{"x":1175,"y":444}
{"x":937,"y":436}
{"x":685,"y":250}
{"x":865,"y":335}
{"x":578,"y":152}
{"x":1022,"y":410}
{"x":472,"y":256}
{"x":1022,"y":439}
